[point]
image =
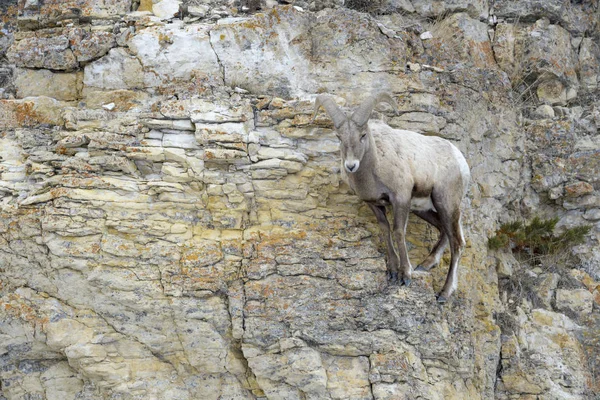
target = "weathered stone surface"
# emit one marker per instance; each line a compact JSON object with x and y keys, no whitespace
{"x":576,"y":17}
{"x":174,"y":224}
{"x":460,"y":37}
{"x":88,"y":46}
{"x":35,"y":13}
{"x":117,"y":70}
{"x":589,"y":56}
{"x":30,"y":112}
{"x":578,"y":189}
{"x":579,"y":301}
{"x":538,"y":57}
{"x":552,"y":91}
{"x":166,"y":9}
{"x":544,"y":111}
{"x":290,"y":53}
{"x":175,"y":52}
{"x":546,"y":337}
{"x":531,"y":10}
{"x":50,"y":53}
{"x":428,"y":8}
{"x":41,"y":82}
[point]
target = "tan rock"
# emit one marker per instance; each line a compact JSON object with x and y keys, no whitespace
{"x":552,"y":92}
{"x":31,"y":111}
{"x":41,"y":82}
{"x":578,"y":189}
{"x":347,"y":377}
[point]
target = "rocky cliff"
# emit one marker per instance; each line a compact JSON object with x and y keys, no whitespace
{"x":174,"y":226}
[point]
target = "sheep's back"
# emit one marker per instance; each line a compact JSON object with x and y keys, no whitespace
{"x":424,"y":159}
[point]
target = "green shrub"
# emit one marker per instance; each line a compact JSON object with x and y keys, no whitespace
{"x":537,"y":237}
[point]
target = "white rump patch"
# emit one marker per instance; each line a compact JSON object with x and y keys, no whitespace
{"x":421,"y":204}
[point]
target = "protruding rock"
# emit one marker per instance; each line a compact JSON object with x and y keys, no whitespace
{"x":544,"y":111}
{"x":552,"y":92}
{"x":49,"y":53}
{"x":166,"y":9}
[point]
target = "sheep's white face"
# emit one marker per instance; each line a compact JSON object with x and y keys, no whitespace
{"x":354,"y":144}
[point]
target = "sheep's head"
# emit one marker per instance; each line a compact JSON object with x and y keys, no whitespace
{"x":353,"y":131}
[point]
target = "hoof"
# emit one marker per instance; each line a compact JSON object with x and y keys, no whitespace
{"x":442,"y":299}
{"x":406,"y":281}
{"x":421,"y":268}
{"x":393,"y":277}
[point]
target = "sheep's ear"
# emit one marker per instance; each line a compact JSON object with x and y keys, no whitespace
{"x":363,"y":112}
{"x":336,"y":115}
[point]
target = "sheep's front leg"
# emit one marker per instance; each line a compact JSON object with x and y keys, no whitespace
{"x":384,"y":226}
{"x":401,"y":209}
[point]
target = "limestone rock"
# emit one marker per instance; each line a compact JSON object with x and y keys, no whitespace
{"x":530,"y":10}
{"x":173,"y":224}
{"x":589,"y":54}
{"x":552,"y":92}
{"x":574,"y":17}
{"x":549,"y":338}
{"x":506,"y":263}
{"x":41,"y":82}
{"x":546,"y":50}
{"x":30,"y":111}
{"x":36,"y":13}
{"x":540,"y":54}
{"x":116,"y":70}
{"x":428,"y":8}
{"x":88,"y":46}
{"x":579,"y":301}
{"x":175,"y":52}
{"x":166,"y":9}
{"x":544,"y":111}
{"x":253,"y":67}
{"x":461,"y":37}
{"x":578,"y":189}
{"x":546,"y":288}
{"x":49,"y":53}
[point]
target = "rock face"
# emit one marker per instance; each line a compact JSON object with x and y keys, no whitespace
{"x":173,"y":224}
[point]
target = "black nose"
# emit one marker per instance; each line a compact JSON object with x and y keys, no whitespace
{"x":351,"y":167}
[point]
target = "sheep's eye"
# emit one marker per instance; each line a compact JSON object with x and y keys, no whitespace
{"x":362,"y":137}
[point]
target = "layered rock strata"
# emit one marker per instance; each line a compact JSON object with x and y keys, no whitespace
{"x":173,"y":224}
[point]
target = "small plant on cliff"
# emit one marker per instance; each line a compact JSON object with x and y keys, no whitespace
{"x":537,"y":238}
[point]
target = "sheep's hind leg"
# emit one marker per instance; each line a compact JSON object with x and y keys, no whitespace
{"x":392,"y":257}
{"x":457,"y":244}
{"x":437,"y":252}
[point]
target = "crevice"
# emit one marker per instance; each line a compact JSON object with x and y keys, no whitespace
{"x":369,"y":377}
{"x":105,"y":320}
{"x":498,"y":370}
{"x":221,"y":66}
{"x":177,"y":330}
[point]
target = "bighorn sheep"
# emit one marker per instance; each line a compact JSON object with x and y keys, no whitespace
{"x":427,"y":175}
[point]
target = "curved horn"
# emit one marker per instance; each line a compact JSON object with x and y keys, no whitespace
{"x":363,"y":112}
{"x":336,"y":115}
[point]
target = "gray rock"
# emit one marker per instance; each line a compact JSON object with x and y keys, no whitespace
{"x":88,"y":46}
{"x":49,"y":53}
{"x":577,"y":301}
{"x":589,"y":54}
{"x":544,"y":111}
